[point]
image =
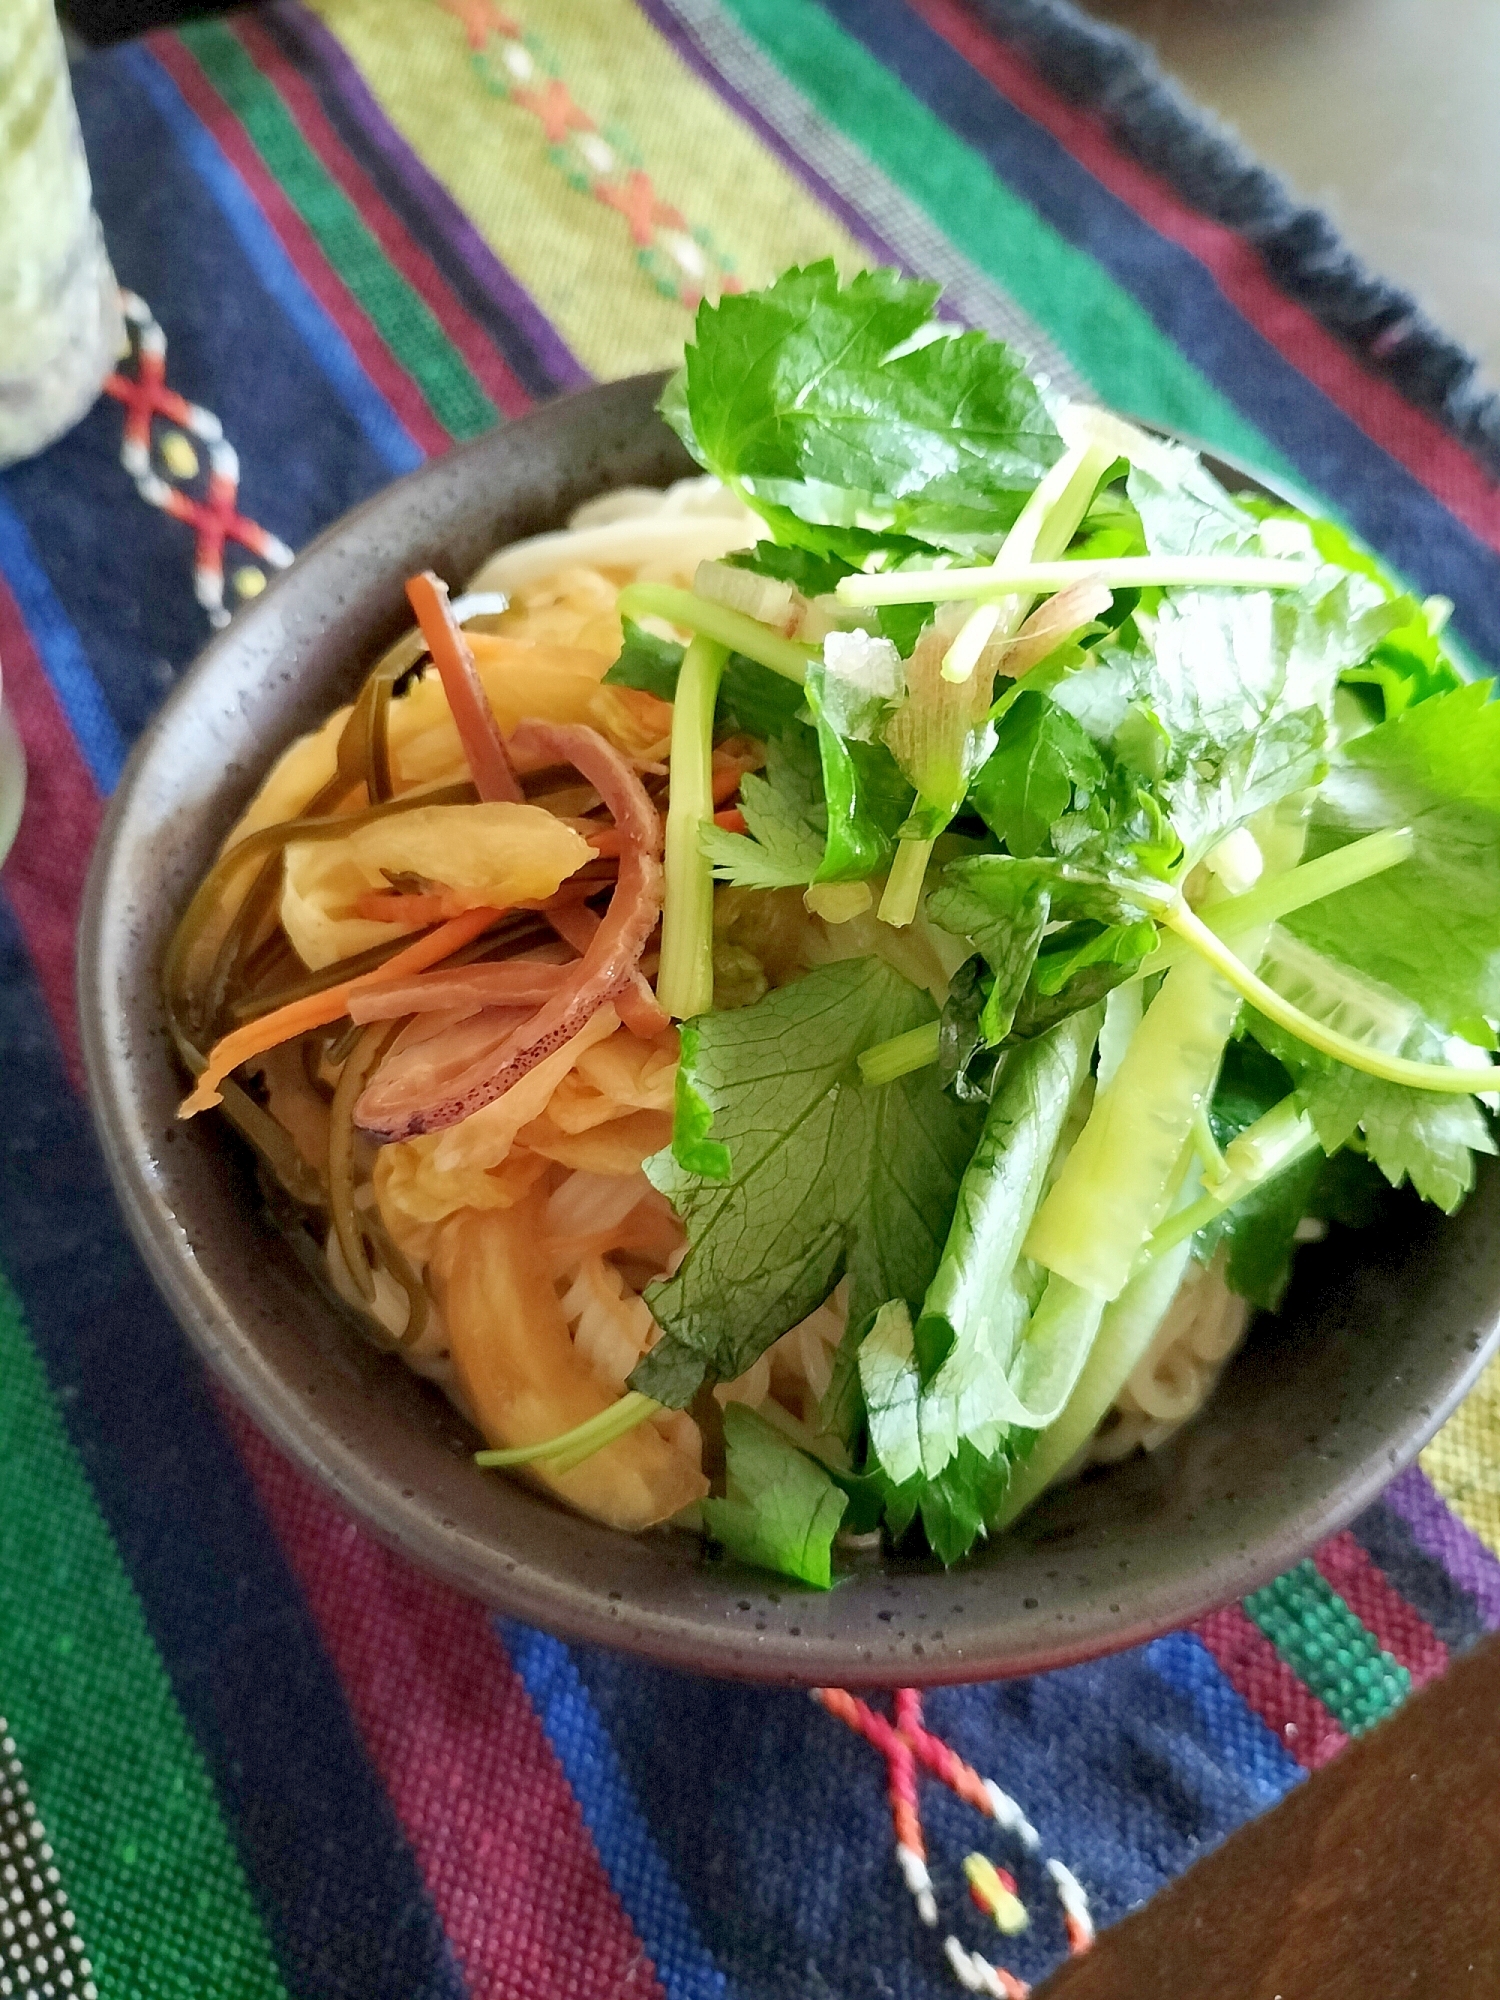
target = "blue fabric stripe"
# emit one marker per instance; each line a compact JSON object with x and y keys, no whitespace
{"x":1240,"y":1737}
{"x":272,"y":266}
{"x":329,"y":1863}
{"x":771,"y":1816}
{"x":62,"y":656}
{"x":641,"y":1878}
{"x":1391,"y":509}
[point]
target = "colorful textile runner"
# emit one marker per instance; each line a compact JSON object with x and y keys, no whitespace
{"x":247,"y":1751}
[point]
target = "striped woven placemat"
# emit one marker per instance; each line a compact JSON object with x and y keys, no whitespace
{"x":269,"y":1757}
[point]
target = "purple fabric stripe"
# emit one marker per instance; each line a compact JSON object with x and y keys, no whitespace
{"x":1439,"y":1533}
{"x":687,"y":45}
{"x":428,"y":196}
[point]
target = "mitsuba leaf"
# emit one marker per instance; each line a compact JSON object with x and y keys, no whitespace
{"x":646,"y":662}
{"x":866,"y":800}
{"x":781,"y":1510}
{"x":1431,"y":926}
{"x":814,"y":575}
{"x":1183,"y":510}
{"x":826,"y":810}
{"x":1042,"y":755}
{"x":1004,"y":906}
{"x":1410,"y":664}
{"x":965,"y":1496}
{"x":753,"y":701}
{"x":955,"y":1506}
{"x":1423,"y":1136}
{"x":967,"y":1059}
{"x":692,"y":1120}
{"x":1261,"y":1229}
{"x":1007,"y":924}
{"x":828,"y":1177}
{"x":1221,"y":705}
{"x":846,"y":417}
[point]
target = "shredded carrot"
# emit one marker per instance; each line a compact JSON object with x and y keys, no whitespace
{"x":319,"y":1010}
{"x":387,"y":906}
{"x":489,"y":765}
{"x":724,"y":781}
{"x":732,"y":822}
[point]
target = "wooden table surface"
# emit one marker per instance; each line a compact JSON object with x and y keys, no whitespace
{"x":1378,"y":1877}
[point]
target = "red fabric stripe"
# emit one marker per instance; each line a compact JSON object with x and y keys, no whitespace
{"x":1414,"y":439}
{"x":510,"y":1865}
{"x":43,"y":878}
{"x":392,"y":380}
{"x":1399,"y":1627}
{"x":1267,"y":1684}
{"x":404,"y":253}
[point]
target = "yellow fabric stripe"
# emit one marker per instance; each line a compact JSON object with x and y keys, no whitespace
{"x":479,"y":121}
{"x":1463,"y":1460}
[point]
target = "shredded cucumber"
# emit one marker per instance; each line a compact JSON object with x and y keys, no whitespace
{"x":1118,"y":1181}
{"x":1337,"y":995}
{"x":1126,"y":1330}
{"x":1123,"y":1009}
{"x":1115,"y":1187}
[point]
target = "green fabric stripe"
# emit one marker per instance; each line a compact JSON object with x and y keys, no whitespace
{"x":1329,"y":1648}
{"x":161,"y":1900}
{"x":404,"y":323}
{"x":1103,"y":331}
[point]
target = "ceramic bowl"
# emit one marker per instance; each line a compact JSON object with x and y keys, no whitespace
{"x":1380,"y":1336}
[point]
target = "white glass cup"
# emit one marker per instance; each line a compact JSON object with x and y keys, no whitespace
{"x":60,"y":324}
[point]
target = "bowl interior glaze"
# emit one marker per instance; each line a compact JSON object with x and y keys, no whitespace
{"x":1378,"y":1341}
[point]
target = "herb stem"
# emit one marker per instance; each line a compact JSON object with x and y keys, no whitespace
{"x":883,"y":1062}
{"x":572,"y":1447}
{"x":1276,"y":1141}
{"x":1450,"y":1079}
{"x":917,"y":1049}
{"x":1042,"y":579}
{"x":903,"y":887}
{"x":734,"y":630}
{"x":1043,"y":528}
{"x":685,"y":982}
{"x":1215,"y":1168}
{"x":1281,"y":895}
